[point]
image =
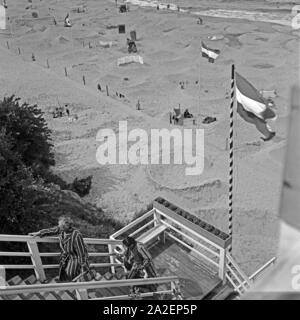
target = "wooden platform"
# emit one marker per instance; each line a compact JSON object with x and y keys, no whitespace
{"x":170,"y":259}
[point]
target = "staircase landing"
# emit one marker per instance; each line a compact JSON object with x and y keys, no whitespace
{"x":196,"y":280}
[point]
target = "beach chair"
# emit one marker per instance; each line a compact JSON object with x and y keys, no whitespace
{"x":123,"y":8}
{"x":178,"y":116}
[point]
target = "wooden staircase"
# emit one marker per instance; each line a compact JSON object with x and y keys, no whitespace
{"x":190,"y":256}
{"x":70,"y":294}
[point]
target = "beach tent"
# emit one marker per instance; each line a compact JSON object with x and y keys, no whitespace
{"x":133,"y":35}
{"x":121,"y":28}
{"x":123,"y":8}
{"x":130,"y":59}
{"x":105,"y":44}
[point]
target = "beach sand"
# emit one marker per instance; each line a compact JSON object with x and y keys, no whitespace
{"x":169,"y":42}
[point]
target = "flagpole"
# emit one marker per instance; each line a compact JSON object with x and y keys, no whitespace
{"x":230,"y":195}
{"x":199,"y":82}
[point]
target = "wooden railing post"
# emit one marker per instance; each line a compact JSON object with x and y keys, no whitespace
{"x":157,"y":221}
{"x":156,"y":217}
{"x":111,"y":250}
{"x":222,"y":265}
{"x":2,"y":276}
{"x":36,"y":260}
{"x":81,"y":294}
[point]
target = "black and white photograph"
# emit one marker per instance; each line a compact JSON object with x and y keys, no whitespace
{"x":149,"y":150}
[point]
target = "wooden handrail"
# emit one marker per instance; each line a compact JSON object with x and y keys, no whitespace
{"x":189,"y":230}
{"x":132,"y":224}
{"x":233,"y":284}
{"x":127,"y":297}
{"x":238,"y":269}
{"x":191,"y":239}
{"x":50,"y":254}
{"x":241,"y":282}
{"x":91,"y":254}
{"x":37,"y":264}
{"x":54,"y":266}
{"x":142,"y":228}
{"x":14,"y":254}
{"x":23,"y":238}
{"x":7,"y":290}
{"x":259,"y":271}
{"x":194,"y":250}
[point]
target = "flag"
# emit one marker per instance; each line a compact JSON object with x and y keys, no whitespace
{"x":252,"y":107}
{"x":211,"y":54}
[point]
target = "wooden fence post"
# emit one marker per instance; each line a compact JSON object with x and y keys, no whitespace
{"x":2,"y":277}
{"x":222,"y":265}
{"x":107,"y":93}
{"x":36,"y":260}
{"x":83,"y":79}
{"x":19,"y":50}
{"x":66,"y":73}
{"x":111,"y":250}
{"x":7,"y":44}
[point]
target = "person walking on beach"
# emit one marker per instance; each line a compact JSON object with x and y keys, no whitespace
{"x":138,"y":105}
{"x":74,"y":255}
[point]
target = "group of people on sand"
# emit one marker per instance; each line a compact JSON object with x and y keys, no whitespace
{"x":74,"y":259}
{"x":60,"y":111}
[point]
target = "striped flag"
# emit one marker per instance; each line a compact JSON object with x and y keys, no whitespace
{"x":211,"y":54}
{"x":252,"y":107}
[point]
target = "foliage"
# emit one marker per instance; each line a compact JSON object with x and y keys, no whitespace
{"x":82,"y":186}
{"x":31,"y":196}
{"x":28,"y":129}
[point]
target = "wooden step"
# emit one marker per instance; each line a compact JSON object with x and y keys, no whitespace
{"x":31,"y":280}
{"x":33,"y":296}
{"x":108,"y":276}
{"x":15,"y":281}
{"x":56,"y":294}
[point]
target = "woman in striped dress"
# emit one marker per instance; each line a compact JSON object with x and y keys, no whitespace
{"x":74,"y":255}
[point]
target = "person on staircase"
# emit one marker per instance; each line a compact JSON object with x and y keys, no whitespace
{"x":74,"y":255}
{"x":138,"y":260}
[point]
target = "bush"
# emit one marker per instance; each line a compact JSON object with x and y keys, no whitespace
{"x":29,"y":196}
{"x":29,"y":132}
{"x":82,"y":186}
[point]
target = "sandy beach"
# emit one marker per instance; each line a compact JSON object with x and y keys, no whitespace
{"x":260,"y":43}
